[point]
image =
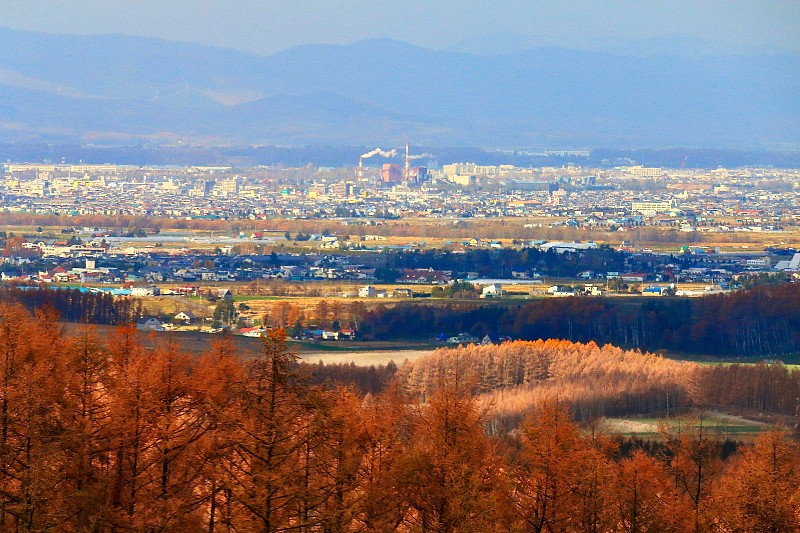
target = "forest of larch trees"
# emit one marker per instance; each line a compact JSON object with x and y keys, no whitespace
{"x":102,"y":434}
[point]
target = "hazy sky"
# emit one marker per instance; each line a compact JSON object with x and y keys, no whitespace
{"x":268,"y":26}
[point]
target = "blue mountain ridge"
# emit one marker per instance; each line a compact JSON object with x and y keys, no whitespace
{"x":57,"y":87}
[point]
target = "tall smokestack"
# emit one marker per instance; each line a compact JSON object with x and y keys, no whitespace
{"x":360,"y":167}
{"x":405,"y":177}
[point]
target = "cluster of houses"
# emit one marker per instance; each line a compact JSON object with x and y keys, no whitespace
{"x":187,"y":318}
{"x":467,"y":338}
{"x":316,"y":335}
{"x":368,"y":291}
{"x":98,"y":263}
{"x":181,"y":318}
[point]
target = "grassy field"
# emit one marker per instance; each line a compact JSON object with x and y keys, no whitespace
{"x":368,"y":358}
{"x":722,"y":425}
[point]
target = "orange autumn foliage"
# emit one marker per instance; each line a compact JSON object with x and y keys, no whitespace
{"x":599,"y":381}
{"x":103,"y":434}
{"x":594,"y":380}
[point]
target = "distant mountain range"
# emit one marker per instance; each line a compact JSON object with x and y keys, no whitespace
{"x":127,"y":90}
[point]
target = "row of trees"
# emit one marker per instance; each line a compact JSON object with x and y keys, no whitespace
{"x":760,"y":322}
{"x":500,"y":263}
{"x":74,"y":305}
{"x":110,"y":437}
{"x":324,"y":314}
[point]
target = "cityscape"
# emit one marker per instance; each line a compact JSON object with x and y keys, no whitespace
{"x":718,"y":200}
{"x":343,"y":234}
{"x":494,"y":232}
{"x":417,"y":268}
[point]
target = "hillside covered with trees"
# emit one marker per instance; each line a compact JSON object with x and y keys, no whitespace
{"x":105,"y":435}
{"x":600,"y":381}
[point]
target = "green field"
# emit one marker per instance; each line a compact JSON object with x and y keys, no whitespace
{"x":721,"y":425}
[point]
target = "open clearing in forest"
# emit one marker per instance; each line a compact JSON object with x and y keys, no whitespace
{"x":365,"y":358}
{"x":720,"y":424}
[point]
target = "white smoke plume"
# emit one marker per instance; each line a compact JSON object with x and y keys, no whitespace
{"x":378,"y":151}
{"x":419,"y":156}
